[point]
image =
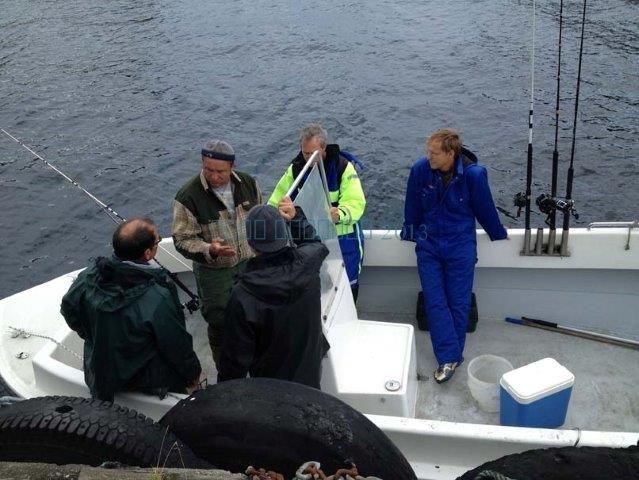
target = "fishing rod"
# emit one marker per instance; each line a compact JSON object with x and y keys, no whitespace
{"x":548,"y":203}
{"x":555,"y":154}
{"x":570,"y":210}
{"x":194,"y":303}
{"x":522,"y":200}
{"x":554,"y":327}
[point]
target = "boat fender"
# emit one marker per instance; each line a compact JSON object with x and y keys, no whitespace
{"x":73,"y":430}
{"x":584,"y":463}
{"x":279,"y":425}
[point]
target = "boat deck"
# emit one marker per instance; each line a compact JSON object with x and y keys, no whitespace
{"x":605,"y":395}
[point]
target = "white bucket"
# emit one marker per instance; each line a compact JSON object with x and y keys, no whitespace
{"x":484,"y":373}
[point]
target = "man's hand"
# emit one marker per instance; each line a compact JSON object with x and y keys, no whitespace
{"x":286,"y":208}
{"x":218,"y":249}
{"x":334,"y":214}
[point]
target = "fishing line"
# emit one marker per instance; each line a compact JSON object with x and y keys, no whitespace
{"x":193,"y":304}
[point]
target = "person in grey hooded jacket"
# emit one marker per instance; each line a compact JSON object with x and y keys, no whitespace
{"x":273,"y":318}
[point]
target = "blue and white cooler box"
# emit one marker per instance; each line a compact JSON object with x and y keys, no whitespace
{"x":536,"y":395}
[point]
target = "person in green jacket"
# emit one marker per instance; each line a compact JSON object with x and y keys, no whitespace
{"x":129,"y":315}
{"x":208,"y":228}
{"x":346,"y":193}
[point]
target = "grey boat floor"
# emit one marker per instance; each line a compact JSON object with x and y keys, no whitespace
{"x":605,"y":396}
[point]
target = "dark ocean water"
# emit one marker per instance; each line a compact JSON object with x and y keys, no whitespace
{"x":121,"y":95}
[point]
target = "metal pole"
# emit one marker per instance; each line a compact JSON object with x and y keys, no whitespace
{"x":576,"y":332}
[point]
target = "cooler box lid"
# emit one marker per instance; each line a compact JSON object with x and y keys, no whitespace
{"x":537,"y":380}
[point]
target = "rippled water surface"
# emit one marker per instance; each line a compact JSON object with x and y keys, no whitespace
{"x":121,"y":95}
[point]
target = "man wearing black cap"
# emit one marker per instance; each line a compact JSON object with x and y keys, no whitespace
{"x":208,"y":228}
{"x":273,"y":318}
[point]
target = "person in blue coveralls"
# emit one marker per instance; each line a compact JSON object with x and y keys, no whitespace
{"x":447,"y":190}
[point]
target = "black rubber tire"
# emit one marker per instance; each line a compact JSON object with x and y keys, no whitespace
{"x":567,"y":463}
{"x":65,"y":430}
{"x":279,"y":425}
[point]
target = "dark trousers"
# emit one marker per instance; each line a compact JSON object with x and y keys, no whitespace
{"x":157,"y":378}
{"x":214,"y":289}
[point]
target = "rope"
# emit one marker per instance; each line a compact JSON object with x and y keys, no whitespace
{"x":20,"y":332}
{"x":578,"y":436}
{"x":491,"y":475}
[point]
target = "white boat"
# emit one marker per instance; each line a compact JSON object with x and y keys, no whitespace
{"x":381,"y":365}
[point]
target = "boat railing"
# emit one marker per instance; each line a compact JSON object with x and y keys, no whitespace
{"x":628,"y":225}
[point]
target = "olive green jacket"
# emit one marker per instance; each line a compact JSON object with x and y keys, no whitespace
{"x":130,"y":318}
{"x":200,"y":216}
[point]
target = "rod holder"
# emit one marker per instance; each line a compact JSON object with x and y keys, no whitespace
{"x":563,"y":250}
{"x":527,"y":242}
{"x":539,"y":241}
{"x":552,"y":235}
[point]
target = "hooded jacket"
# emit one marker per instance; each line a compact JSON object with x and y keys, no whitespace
{"x":345,"y":188}
{"x":133,"y":328}
{"x":273,"y":319}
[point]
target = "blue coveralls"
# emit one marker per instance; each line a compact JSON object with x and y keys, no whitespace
{"x":351,"y":244}
{"x":441,"y":220}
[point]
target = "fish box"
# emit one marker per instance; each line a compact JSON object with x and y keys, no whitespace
{"x":536,"y":395}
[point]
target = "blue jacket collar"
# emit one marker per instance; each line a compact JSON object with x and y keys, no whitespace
{"x":459,"y":165}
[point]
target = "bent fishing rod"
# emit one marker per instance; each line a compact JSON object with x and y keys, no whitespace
{"x":522,"y":200}
{"x":194,"y":303}
{"x":570,"y":210}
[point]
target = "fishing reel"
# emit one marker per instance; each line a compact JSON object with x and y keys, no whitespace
{"x":192,"y":305}
{"x":547,"y":204}
{"x":520,"y":202}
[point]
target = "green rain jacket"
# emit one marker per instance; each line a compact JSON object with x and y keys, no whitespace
{"x":132,"y":323}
